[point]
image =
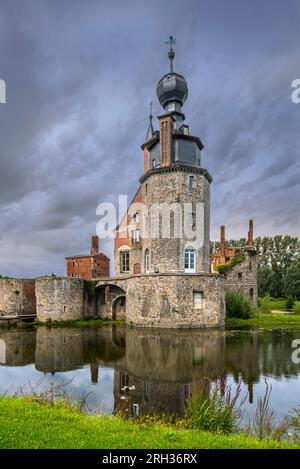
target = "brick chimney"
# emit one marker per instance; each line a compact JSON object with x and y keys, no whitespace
{"x":222,"y":241}
{"x":250,"y":241}
{"x":166,"y":128}
{"x":94,"y":245}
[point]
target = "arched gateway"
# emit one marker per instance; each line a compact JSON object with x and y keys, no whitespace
{"x":112,"y":300}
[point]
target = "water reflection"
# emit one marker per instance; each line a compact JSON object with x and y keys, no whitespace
{"x":152,"y":371}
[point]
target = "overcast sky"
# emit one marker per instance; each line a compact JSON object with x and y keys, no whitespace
{"x":80,"y":75}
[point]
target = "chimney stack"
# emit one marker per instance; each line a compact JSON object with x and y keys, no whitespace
{"x":222,"y":241}
{"x":94,"y":245}
{"x":250,"y":242}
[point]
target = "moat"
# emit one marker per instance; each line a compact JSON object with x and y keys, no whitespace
{"x":150,"y":371}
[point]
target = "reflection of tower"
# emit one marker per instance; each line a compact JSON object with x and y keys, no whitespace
{"x":17,"y":347}
{"x":94,"y":372}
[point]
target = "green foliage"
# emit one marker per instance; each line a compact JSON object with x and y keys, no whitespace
{"x":237,"y":259}
{"x":238,"y":305}
{"x":28,"y":424}
{"x":292,"y":281}
{"x":297,"y":307}
{"x":268,"y":321}
{"x":89,"y":286}
{"x":265,"y":303}
{"x":289,"y":303}
{"x":214,"y":411}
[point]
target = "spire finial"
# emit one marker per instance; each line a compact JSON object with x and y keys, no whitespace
{"x":150,"y":130}
{"x":171,"y":53}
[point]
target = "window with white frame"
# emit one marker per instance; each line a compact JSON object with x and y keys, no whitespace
{"x":198,"y":300}
{"x":189,"y":260}
{"x":124,"y":261}
{"x":135,"y":236}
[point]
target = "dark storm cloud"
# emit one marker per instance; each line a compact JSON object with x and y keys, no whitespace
{"x":80,"y":75}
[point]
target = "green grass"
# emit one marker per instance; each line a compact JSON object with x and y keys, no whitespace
{"x":80,"y":323}
{"x":266,"y":320}
{"x":28,"y":424}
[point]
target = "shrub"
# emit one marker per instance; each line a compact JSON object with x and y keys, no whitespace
{"x":237,"y":259}
{"x":265,"y":303}
{"x":214,"y":410}
{"x":297,"y":307}
{"x":238,"y":305}
{"x":289,"y":303}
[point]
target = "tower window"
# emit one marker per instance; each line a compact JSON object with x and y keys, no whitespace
{"x":124,"y":261}
{"x":147,"y":261}
{"x":198,"y":300}
{"x":191,"y":182}
{"x":136,"y":236}
{"x":189,"y":260}
{"x":146,"y":189}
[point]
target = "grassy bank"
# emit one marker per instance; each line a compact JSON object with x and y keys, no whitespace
{"x":28,"y":424}
{"x":267,"y":320}
{"x":80,"y":323}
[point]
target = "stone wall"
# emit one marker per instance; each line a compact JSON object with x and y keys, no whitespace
{"x":172,"y":187}
{"x":243,"y":277}
{"x":59,"y":299}
{"x":167,"y":300}
{"x":17,"y":297}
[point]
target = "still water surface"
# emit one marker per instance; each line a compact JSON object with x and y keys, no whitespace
{"x":162,"y":368}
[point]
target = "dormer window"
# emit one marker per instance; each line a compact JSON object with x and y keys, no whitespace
{"x":153,"y":163}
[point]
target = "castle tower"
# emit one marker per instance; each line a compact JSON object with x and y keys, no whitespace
{"x":175,"y":188}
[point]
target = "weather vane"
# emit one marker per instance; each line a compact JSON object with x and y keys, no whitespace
{"x":171,"y":53}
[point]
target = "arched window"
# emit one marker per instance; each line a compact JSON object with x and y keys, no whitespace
{"x":190,"y":260}
{"x":147,"y":261}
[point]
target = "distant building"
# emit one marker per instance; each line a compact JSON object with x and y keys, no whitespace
{"x":225,"y":254}
{"x":89,"y":266}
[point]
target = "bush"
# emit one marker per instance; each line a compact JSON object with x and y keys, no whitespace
{"x":214,"y":411}
{"x":297,"y":307}
{"x":237,"y":259}
{"x":238,"y":305}
{"x":292,"y":281}
{"x":289,"y":303}
{"x":265,"y":303}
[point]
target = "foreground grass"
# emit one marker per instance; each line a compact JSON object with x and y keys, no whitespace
{"x":266,"y":320}
{"x":28,"y":424}
{"x":80,"y":323}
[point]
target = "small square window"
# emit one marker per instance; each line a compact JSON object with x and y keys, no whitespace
{"x":198,"y":300}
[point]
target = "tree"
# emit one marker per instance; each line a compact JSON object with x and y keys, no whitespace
{"x":292,"y":281}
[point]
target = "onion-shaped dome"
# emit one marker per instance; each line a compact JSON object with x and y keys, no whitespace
{"x":172,"y":87}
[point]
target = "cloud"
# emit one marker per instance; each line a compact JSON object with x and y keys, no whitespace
{"x":80,"y":76}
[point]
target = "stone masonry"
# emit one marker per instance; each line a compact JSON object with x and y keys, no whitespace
{"x":17,"y":297}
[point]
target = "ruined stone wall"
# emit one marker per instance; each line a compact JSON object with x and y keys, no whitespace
{"x":243,"y":277}
{"x":59,"y":299}
{"x":17,"y":297}
{"x":167,"y":300}
{"x":172,"y":187}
